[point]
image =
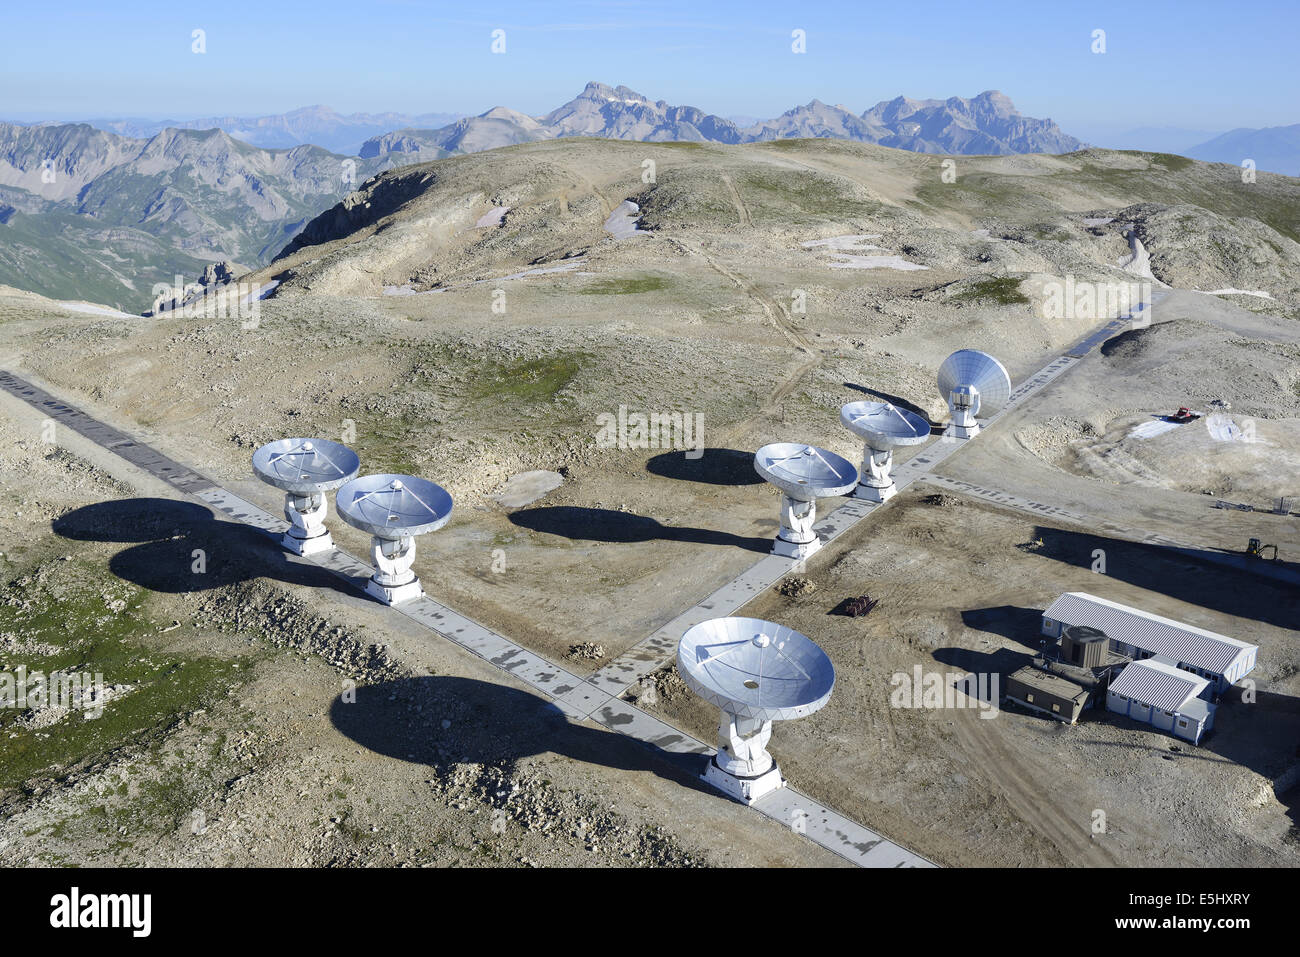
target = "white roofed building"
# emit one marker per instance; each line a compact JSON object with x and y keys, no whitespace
{"x":1139,"y":634}
{"x":1163,"y":695}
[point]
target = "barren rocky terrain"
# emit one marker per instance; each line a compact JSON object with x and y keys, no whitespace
{"x":472,"y":319}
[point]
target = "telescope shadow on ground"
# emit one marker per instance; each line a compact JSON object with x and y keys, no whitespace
{"x":609,"y":525}
{"x":712,"y":467}
{"x":164,"y":534}
{"x":1021,"y":625}
{"x":503,"y":726}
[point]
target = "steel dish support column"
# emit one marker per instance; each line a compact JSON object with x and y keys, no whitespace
{"x":306,"y":514}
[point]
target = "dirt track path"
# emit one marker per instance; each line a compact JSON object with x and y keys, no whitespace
{"x":779,"y":318}
{"x":1006,"y":772}
{"x":741,"y":208}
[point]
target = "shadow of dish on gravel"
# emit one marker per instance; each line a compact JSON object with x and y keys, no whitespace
{"x":1021,"y":625}
{"x":615,"y":527}
{"x":493,"y":725}
{"x":713,"y":467}
{"x":164,"y":535}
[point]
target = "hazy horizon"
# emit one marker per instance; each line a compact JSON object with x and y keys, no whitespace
{"x":729,"y":60}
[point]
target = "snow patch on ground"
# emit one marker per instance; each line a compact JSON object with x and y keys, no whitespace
{"x":94,"y":309}
{"x":1223,"y":428}
{"x":622,"y":222}
{"x":842,"y":248}
{"x":1138,"y":261}
{"x":1149,"y":430}
{"x":527,"y":487}
{"x":1237,"y":292}
{"x":493,"y":216}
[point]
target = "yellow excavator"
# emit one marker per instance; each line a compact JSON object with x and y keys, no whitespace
{"x":1254,"y":549}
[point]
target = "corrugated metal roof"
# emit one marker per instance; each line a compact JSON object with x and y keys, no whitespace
{"x":1158,"y":684}
{"x":1162,"y":636}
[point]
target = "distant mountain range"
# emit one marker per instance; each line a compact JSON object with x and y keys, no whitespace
{"x":987,"y":123}
{"x":88,"y":214}
{"x":316,"y":125}
{"x":1152,"y":139}
{"x":104,"y":210}
{"x":1274,"y":148}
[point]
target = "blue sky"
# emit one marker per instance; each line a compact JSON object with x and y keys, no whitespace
{"x":1208,"y":66}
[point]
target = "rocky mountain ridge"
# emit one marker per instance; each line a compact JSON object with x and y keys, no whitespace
{"x":985,"y":124}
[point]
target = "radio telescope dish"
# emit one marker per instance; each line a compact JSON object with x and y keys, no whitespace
{"x":756,"y":672}
{"x":803,"y":473}
{"x":883,"y":427}
{"x":305,"y":465}
{"x":975,"y":386}
{"x":305,"y":469}
{"x":394,"y":506}
{"x":394,"y":509}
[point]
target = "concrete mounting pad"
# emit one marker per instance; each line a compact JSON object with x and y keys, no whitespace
{"x":796,"y":550}
{"x":307,"y":546}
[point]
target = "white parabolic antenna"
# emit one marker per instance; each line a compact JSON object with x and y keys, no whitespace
{"x":305,"y":469}
{"x":305,"y":465}
{"x":756,"y":672}
{"x":803,"y":473}
{"x":976,"y":386}
{"x":883,"y":427}
{"x":394,"y":509}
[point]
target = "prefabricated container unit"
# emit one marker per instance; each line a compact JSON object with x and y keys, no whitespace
{"x":1138,"y":634}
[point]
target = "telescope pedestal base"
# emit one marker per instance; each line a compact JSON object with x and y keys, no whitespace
{"x":307,"y":534}
{"x":395,"y":594}
{"x":307,"y":546}
{"x":795,"y":549}
{"x":743,"y":789}
{"x":869,"y":493}
{"x":963,"y":431}
{"x":393,"y":581}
